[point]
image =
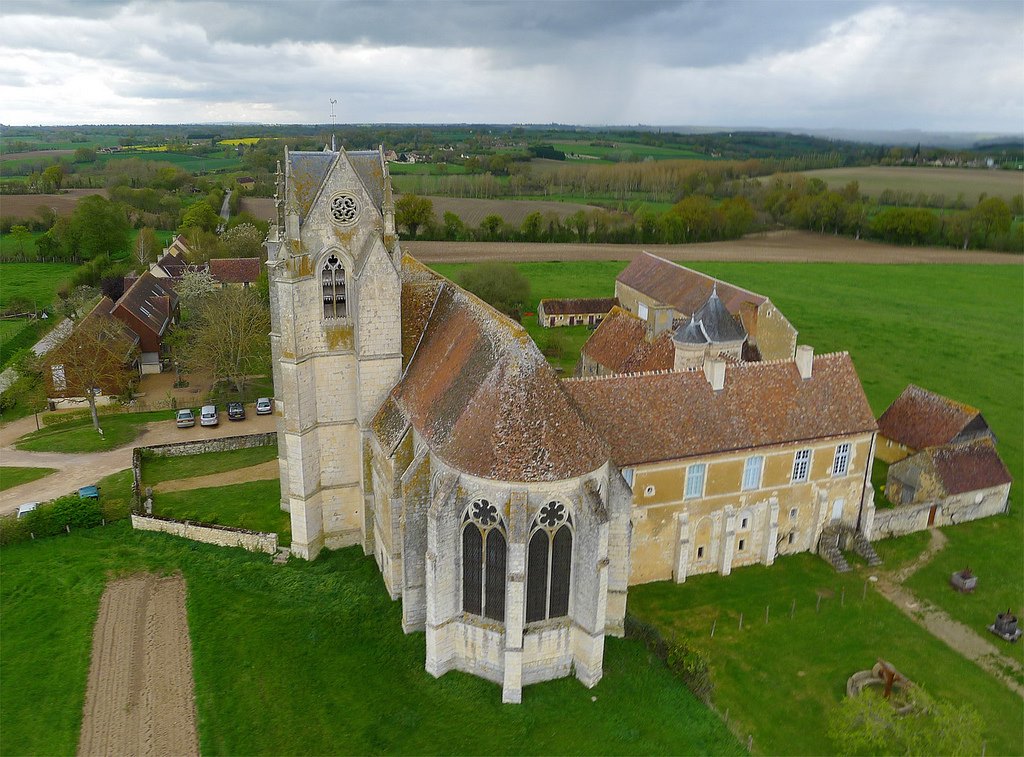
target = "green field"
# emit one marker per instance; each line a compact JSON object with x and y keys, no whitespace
{"x":254,"y":505}
{"x":191,"y":163}
{"x":156,"y":469}
{"x":950,"y":182}
{"x":15,"y":476}
{"x":437,"y":169}
{"x":309,"y":659}
{"x":80,"y":436}
{"x":627,"y":151}
{"x":37,"y":282}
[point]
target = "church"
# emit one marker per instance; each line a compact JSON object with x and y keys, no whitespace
{"x":509,"y":509}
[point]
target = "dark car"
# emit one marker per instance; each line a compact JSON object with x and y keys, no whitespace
{"x":236,"y":411}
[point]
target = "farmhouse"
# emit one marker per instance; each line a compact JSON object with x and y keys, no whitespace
{"x":919,"y":418}
{"x":574,"y":312}
{"x":242,"y":272}
{"x":149,"y":308}
{"x":622,"y":344}
{"x":509,"y":510}
{"x":661,"y":292}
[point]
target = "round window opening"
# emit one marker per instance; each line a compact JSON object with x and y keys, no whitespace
{"x":344,"y":209}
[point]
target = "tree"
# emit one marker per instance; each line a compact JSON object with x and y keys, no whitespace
{"x":492,"y":225}
{"x":21,"y":236}
{"x":869,"y":724}
{"x":230,"y":336}
{"x":194,"y":286}
{"x":145,"y":247}
{"x":199,"y":215}
{"x":499,"y":284}
{"x":412,"y":212}
{"x":992,"y":216}
{"x":532,"y":226}
{"x":454,"y":228}
{"x":97,"y":355}
{"x":242,"y":241}
{"x":73,"y":301}
{"x":98,"y":226}
{"x":53,"y":176}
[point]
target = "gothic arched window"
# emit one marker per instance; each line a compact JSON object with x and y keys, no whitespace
{"x":333,"y":280}
{"x":484,"y":553}
{"x":549,"y":564}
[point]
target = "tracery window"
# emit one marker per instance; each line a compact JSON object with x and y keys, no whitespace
{"x":484,"y":553}
{"x":333,"y":279}
{"x":549,"y":564}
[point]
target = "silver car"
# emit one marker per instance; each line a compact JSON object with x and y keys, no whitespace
{"x":185,"y":418}
{"x":208,"y":416}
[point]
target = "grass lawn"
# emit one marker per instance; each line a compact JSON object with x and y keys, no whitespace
{"x":309,"y":658}
{"x":37,"y":282}
{"x":156,"y":468}
{"x":780,"y":680}
{"x":80,"y":436}
{"x":254,"y":505}
{"x":11,"y":476}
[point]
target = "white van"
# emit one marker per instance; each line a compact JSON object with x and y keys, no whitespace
{"x":208,"y":416}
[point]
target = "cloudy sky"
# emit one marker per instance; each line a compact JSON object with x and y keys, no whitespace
{"x":940,"y":66}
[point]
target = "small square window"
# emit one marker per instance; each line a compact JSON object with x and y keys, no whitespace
{"x":743,"y":543}
{"x":700,"y":552}
{"x":648,"y":491}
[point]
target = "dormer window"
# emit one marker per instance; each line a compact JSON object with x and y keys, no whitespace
{"x":332,"y":278}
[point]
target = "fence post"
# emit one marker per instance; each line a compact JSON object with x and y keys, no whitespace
{"x":864,"y":596}
{"x":741,"y":621}
{"x":766,"y":614}
{"x":750,"y":742}
{"x":792,"y":609}
{"x":713,"y":624}
{"x":817,"y":606}
{"x":842,"y":598}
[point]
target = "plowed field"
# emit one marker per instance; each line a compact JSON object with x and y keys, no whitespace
{"x":139,"y":698}
{"x":24,"y":206}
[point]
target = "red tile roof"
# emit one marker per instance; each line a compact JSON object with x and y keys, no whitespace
{"x":667,"y":416}
{"x":968,"y":466}
{"x":919,"y":418}
{"x":235,"y":270}
{"x":619,"y":344}
{"x":150,"y":300}
{"x":584,"y":306}
{"x":480,"y":393}
{"x":682,"y":288}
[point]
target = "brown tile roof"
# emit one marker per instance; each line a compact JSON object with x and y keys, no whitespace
{"x":968,"y":466}
{"x":480,"y":393}
{"x":584,"y":305}
{"x":667,"y":416}
{"x":235,"y":270}
{"x":173,"y":264}
{"x":682,"y":288}
{"x":919,"y":418}
{"x":619,"y":344}
{"x":150,"y":300}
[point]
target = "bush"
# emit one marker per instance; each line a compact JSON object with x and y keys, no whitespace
{"x":55,"y":517}
{"x":686,"y":663}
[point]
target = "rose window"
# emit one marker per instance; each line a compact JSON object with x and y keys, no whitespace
{"x":485,"y":513}
{"x":344,"y":209}
{"x":552,"y":514}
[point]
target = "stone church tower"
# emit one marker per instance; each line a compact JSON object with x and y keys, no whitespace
{"x":335,"y":300}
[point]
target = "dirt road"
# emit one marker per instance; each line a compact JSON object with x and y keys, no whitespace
{"x":773,"y":247}
{"x":83,"y":469}
{"x":139,"y":699}
{"x":261,"y":472}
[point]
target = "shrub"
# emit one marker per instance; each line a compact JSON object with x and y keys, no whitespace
{"x":686,"y":663}
{"x":55,"y":517}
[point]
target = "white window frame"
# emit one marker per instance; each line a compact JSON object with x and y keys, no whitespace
{"x":841,"y":461}
{"x":692,"y":475}
{"x":801,"y":466}
{"x":750,"y":482}
{"x":642,"y":311}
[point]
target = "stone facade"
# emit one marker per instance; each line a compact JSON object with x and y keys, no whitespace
{"x":905,"y":519}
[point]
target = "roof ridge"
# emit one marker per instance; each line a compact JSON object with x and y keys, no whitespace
{"x":631,"y":374}
{"x":705,"y":275}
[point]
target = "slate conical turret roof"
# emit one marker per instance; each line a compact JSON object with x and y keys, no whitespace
{"x":711,"y":324}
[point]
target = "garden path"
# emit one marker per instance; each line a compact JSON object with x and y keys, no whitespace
{"x":260,"y":472}
{"x":939,"y":624}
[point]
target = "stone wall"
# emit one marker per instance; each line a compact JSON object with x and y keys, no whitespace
{"x":905,"y":519}
{"x":222,"y":536}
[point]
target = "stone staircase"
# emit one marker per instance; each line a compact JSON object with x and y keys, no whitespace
{"x":836,"y":537}
{"x":283,"y":553}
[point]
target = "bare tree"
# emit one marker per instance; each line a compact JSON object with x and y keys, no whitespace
{"x":195,"y":285}
{"x":98,"y":355}
{"x":145,"y":247}
{"x":230,"y":335}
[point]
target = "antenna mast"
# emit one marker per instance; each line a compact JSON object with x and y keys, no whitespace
{"x":334,"y":123}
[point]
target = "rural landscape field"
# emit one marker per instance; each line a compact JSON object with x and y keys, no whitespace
{"x":298,"y":458}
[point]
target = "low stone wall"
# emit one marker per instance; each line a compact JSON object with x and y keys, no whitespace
{"x":198,"y":447}
{"x":905,"y":519}
{"x":222,"y":536}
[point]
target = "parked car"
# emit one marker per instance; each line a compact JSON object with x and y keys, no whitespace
{"x":208,"y":416}
{"x":185,"y":419}
{"x":236,"y":411}
{"x":264,"y":406}
{"x":25,"y":509}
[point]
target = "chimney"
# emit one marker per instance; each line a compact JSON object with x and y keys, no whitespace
{"x":714,"y":372}
{"x":805,"y":360}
